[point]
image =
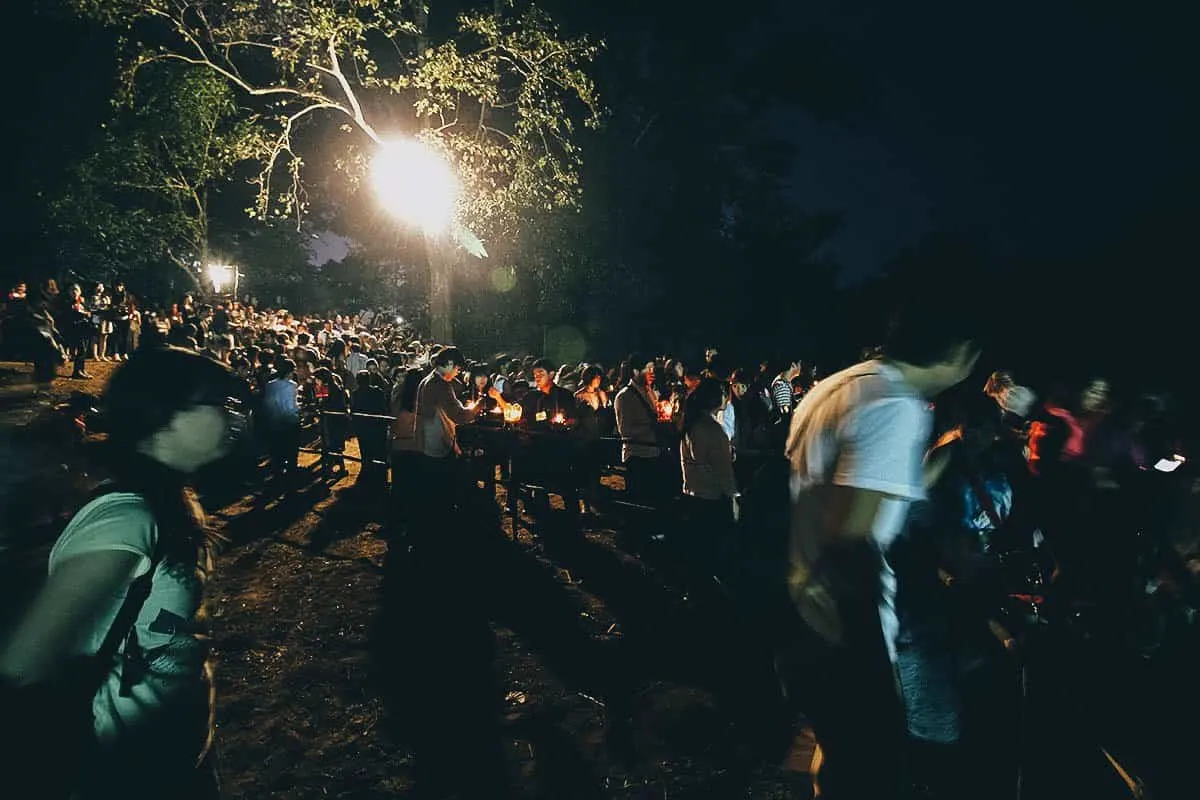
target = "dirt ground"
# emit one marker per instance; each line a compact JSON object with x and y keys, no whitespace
{"x":551,"y":665}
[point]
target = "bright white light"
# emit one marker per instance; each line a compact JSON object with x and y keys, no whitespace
{"x":415,"y":183}
{"x":1169,"y":464}
{"x":221,"y":276}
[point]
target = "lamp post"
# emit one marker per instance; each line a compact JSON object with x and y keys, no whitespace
{"x":416,"y":184}
{"x":224,"y":276}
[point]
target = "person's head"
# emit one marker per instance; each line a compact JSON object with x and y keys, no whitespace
{"x":482,"y":380}
{"x":707,"y":398}
{"x":362,"y":379}
{"x":543,"y":374}
{"x":373,"y":366}
{"x":931,"y":338}
{"x":1095,"y":396}
{"x":739,"y":383}
{"x":447,"y":363}
{"x":591,"y":378}
{"x":180,"y":409}
{"x":285,"y":368}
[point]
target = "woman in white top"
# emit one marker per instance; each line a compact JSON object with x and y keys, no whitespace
{"x":709,"y":489}
{"x":122,"y":601}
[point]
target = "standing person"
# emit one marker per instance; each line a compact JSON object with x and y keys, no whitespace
{"x":855,"y":447}
{"x":103,"y":321}
{"x":115,"y":642}
{"x":439,"y":412}
{"x":636,"y":409}
{"x":281,"y":421}
{"x":119,"y":343}
{"x":372,"y":434}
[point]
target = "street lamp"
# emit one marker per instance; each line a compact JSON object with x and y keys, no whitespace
{"x":415,"y":183}
{"x":222,"y":277}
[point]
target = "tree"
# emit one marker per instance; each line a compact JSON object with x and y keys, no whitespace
{"x":500,"y":91}
{"x":143,"y":197}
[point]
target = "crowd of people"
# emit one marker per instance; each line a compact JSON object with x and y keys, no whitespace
{"x":920,"y":510}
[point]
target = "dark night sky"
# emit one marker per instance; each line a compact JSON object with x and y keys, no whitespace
{"x":1051,"y":126}
{"x":1048,"y":126}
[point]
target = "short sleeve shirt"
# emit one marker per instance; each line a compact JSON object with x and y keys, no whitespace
{"x":864,"y":428}
{"x":166,"y":630}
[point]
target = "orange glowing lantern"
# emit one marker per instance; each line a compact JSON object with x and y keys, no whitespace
{"x":665,"y":410}
{"x":559,"y":418}
{"x":512,"y":413}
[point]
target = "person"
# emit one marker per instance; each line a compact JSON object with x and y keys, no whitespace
{"x":438,"y":414}
{"x":636,"y":409}
{"x":124,"y":595}
{"x":372,"y":433}
{"x":281,"y":422}
{"x":709,"y":487}
{"x":855,"y":447}
{"x":948,"y":562}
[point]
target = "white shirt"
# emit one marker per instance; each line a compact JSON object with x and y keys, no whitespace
{"x":864,"y":428}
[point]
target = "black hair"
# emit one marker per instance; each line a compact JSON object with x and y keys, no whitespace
{"x":589,"y":373}
{"x":407,"y":389}
{"x":447,"y":355}
{"x":284,"y":367}
{"x":705,"y":399}
{"x":143,"y":396}
{"x":546,"y":364}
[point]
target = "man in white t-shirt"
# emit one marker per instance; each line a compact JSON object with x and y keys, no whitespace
{"x":856,"y":448}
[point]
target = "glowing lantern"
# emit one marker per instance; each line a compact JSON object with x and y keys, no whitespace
{"x":559,"y":419}
{"x":512,"y":413}
{"x":665,"y":410}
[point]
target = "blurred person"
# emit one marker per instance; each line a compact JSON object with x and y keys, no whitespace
{"x":108,"y":670}
{"x":948,"y":568}
{"x":856,"y":445}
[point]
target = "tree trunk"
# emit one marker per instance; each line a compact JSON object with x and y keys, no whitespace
{"x":441,"y":274}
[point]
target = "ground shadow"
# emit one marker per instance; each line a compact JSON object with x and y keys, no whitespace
{"x":446,"y":584}
{"x":680,"y":630}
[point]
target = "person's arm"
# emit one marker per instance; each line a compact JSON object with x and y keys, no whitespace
{"x":449,"y":403}
{"x":71,"y":603}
